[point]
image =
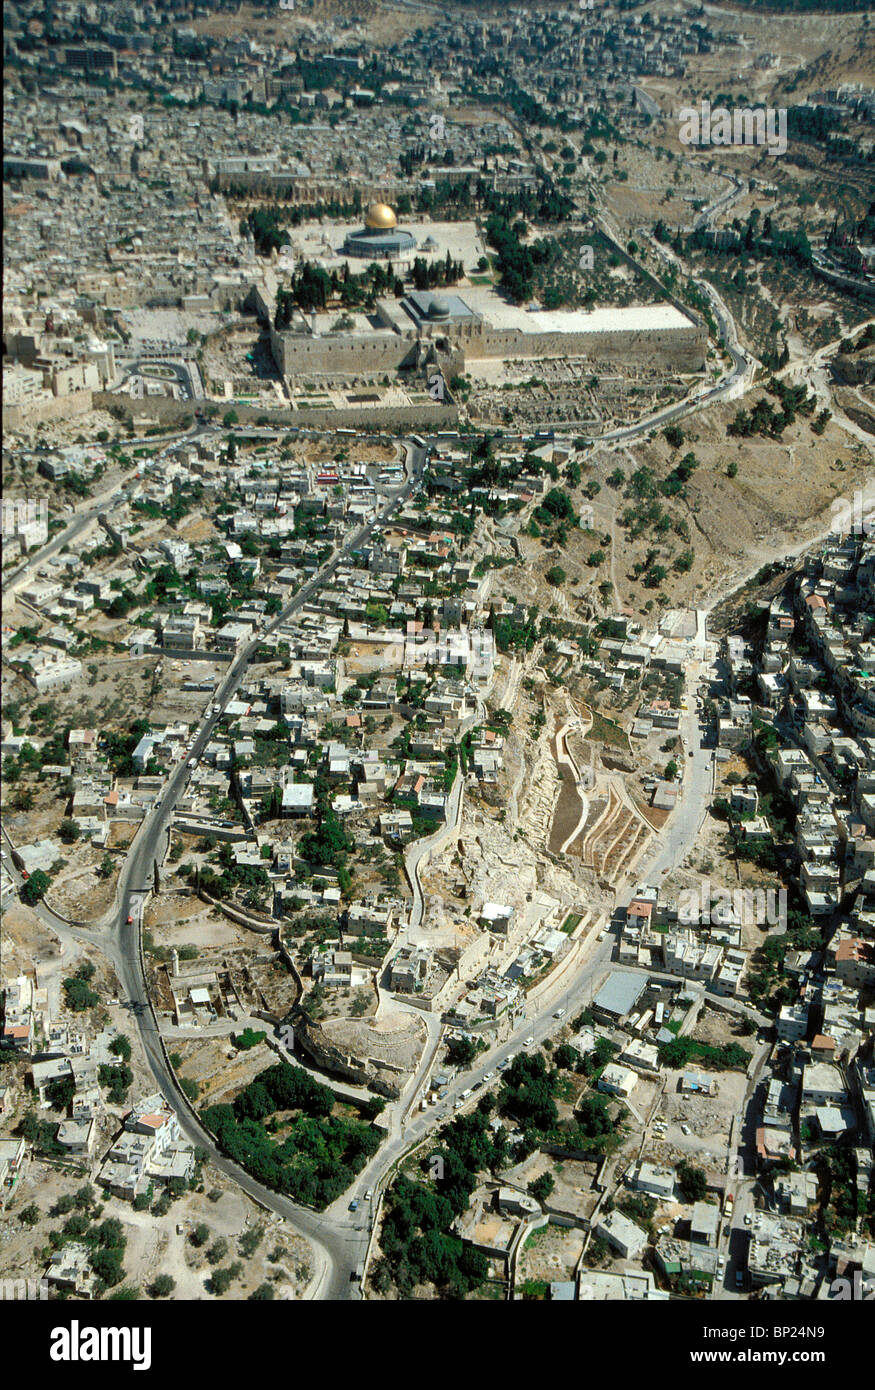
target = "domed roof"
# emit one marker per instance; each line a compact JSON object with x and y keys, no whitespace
{"x":380,"y":217}
{"x":438,"y":308}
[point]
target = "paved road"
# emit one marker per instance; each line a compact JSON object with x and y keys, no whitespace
{"x":339,"y":1237}
{"x":741,"y":1178}
{"x":721,"y":204}
{"x":421,"y":848}
{"x":81,"y":521}
{"x":339,"y":1248}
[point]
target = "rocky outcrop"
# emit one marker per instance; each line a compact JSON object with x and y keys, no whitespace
{"x":325,"y":1054}
{"x":857,"y":369}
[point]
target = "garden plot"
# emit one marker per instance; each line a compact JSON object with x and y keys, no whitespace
{"x":550,"y":1255}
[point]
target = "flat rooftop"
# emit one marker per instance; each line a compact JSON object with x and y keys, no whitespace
{"x":644,"y":318}
{"x":621,"y":991}
{"x":359,"y":323}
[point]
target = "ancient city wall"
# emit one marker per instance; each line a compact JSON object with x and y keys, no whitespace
{"x":397,"y":418}
{"x":677,"y":347}
{"x":341,"y":352}
{"x":682,"y":347}
{"x":55,"y":408}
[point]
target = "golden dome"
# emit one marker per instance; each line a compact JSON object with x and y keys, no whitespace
{"x":380,"y":218}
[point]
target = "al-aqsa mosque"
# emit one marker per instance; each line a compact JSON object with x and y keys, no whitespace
{"x":380,"y":238}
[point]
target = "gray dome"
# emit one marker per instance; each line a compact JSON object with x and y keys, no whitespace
{"x":438,"y":308}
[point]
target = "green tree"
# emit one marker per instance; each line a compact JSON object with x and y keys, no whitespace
{"x":78,"y":996}
{"x":250,"y":1241}
{"x":692,"y":1181}
{"x":36,"y":887}
{"x":542,"y":1187}
{"x":118,"y":1079}
{"x":461,"y":1051}
{"x":108,"y":1265}
{"x":220,"y":1281}
{"x":566,"y":1056}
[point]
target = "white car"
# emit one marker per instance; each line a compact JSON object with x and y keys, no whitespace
{"x":489,"y":1075}
{"x":747,"y":1218}
{"x":529,"y":1040}
{"x":685,"y":1129}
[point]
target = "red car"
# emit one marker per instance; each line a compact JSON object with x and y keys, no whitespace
{"x":130,"y":919}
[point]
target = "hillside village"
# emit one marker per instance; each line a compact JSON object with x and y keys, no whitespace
{"x":362,"y":759}
{"x":437,"y":821}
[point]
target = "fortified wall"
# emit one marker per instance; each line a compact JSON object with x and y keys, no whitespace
{"x":682,"y":347}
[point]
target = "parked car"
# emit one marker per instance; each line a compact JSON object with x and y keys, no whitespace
{"x":354,"y":1205}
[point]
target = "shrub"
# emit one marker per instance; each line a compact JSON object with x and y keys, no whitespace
{"x":220,"y":1281}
